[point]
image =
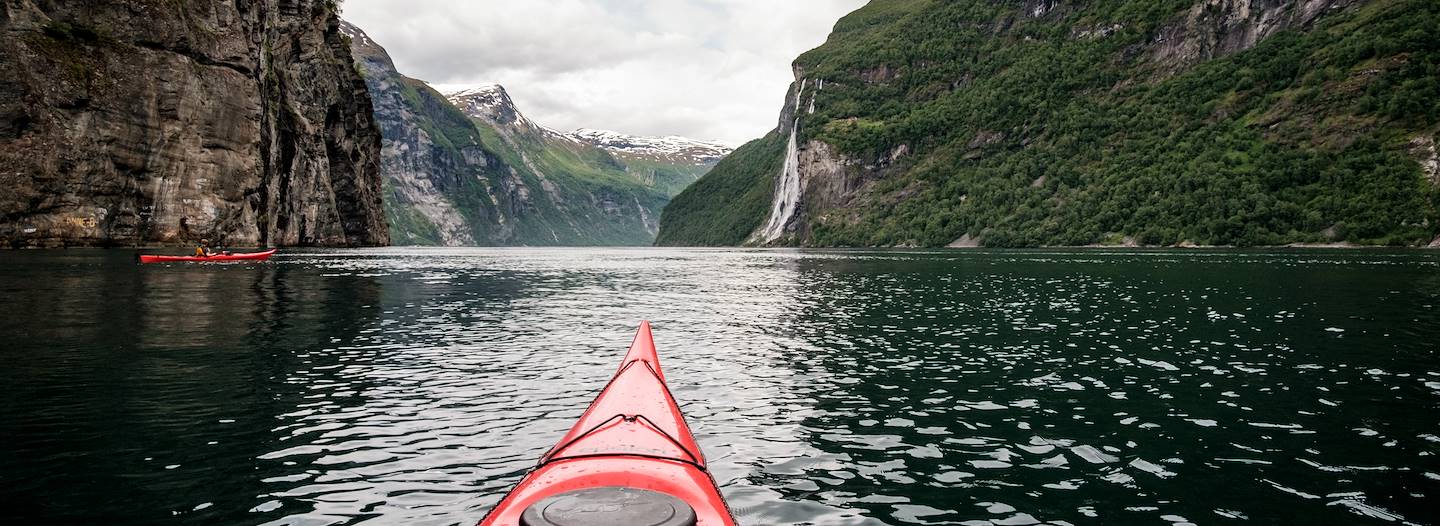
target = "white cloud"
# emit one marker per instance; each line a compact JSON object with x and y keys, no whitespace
{"x":707,"y":69}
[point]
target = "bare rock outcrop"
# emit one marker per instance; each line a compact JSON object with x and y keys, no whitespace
{"x":1424,"y":150}
{"x":1216,"y":28}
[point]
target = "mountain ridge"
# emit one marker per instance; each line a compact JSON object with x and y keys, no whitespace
{"x":493,"y":102}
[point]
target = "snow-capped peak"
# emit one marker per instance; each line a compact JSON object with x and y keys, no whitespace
{"x":483,"y":90}
{"x":490,"y":102}
{"x":355,"y":34}
{"x":671,"y":147}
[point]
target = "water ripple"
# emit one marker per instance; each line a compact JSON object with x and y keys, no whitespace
{"x":826,"y":387}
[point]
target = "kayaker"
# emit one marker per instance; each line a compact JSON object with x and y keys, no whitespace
{"x":203,"y":251}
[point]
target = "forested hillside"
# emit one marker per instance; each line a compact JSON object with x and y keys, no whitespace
{"x":1222,"y":122}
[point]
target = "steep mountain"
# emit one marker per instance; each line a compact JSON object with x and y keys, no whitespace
{"x":471,"y":169}
{"x":141,"y":123}
{"x":442,"y":185}
{"x":1035,"y":122}
{"x":583,"y":193}
{"x":618,"y":178}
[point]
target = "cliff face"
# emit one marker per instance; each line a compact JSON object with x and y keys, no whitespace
{"x":1228,"y":122}
{"x":136,"y":123}
{"x":442,"y":186}
{"x":1215,"y":28}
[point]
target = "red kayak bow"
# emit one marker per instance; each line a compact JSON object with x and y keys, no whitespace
{"x":630,"y":460}
{"x":253,"y":256}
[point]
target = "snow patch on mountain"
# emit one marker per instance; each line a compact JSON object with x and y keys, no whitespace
{"x":489,"y":102}
{"x":669,"y":147}
{"x":492,"y":103}
{"x":355,"y":34}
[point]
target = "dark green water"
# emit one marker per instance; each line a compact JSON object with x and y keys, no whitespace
{"x":963,"y":387}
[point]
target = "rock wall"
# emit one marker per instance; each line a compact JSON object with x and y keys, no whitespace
{"x":151,"y":123}
{"x":427,"y":169}
{"x":1424,"y":150}
{"x":825,"y":181}
{"x":1215,"y":28}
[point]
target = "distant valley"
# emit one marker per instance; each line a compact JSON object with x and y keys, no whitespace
{"x":469,"y":168}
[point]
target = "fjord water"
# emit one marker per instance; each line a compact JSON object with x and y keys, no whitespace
{"x":410,"y":386}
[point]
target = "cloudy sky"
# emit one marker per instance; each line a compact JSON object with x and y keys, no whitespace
{"x":706,"y":69}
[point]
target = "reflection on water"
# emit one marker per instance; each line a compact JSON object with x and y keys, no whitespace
{"x":827,"y":387}
{"x":1122,"y":387}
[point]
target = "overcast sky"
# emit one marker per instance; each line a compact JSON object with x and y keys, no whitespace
{"x":705,"y":69}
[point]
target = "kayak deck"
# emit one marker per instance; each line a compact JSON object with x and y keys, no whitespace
{"x":252,"y":256}
{"x":634,"y":436}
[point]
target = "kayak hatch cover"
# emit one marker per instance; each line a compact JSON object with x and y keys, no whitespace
{"x":253,"y":256}
{"x":629,"y":460}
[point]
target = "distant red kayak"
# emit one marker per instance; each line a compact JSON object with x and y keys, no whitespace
{"x":630,"y":460}
{"x":253,"y":256}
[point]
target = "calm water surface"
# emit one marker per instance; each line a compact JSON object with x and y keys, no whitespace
{"x":407,"y":386}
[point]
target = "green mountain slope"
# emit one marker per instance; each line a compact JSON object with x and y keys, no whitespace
{"x":470,"y":169}
{"x":1169,"y":122}
{"x":727,"y":204}
{"x":582,"y":193}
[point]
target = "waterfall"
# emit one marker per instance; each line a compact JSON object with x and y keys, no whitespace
{"x":819,"y":85}
{"x":787,"y":191}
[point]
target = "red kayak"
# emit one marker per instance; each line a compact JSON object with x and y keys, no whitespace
{"x":630,"y":460}
{"x":253,"y":256}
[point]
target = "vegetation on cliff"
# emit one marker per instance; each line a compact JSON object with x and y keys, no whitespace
{"x":1037,"y":124}
{"x":730,"y":201}
{"x":580,"y":195}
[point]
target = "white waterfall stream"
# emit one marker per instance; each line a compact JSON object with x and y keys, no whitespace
{"x":819,"y":85}
{"x":787,"y":191}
